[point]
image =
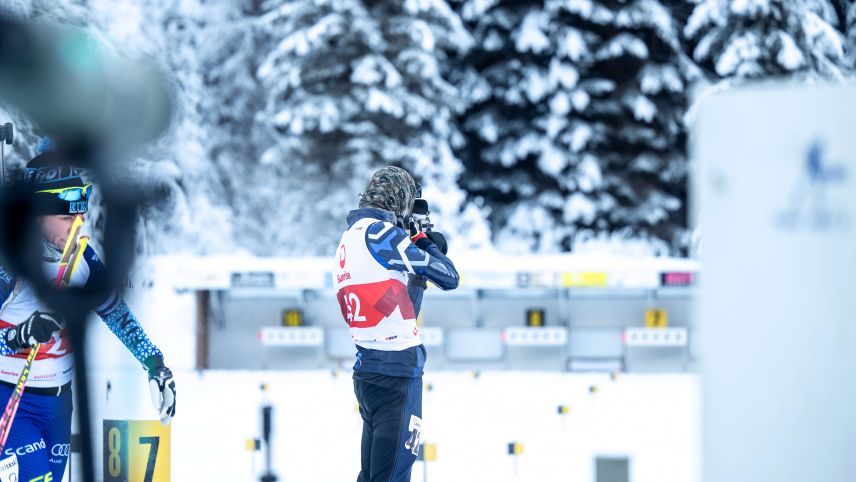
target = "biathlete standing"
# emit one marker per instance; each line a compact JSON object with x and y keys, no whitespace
{"x":382,"y":265}
{"x":41,"y":429}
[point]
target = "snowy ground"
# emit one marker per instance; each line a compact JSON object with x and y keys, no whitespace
{"x":651,"y":419}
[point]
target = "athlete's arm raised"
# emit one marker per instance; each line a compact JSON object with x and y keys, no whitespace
{"x":394,"y":249}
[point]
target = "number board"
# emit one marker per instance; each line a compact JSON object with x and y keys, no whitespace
{"x":656,"y":318}
{"x":535,"y":317}
{"x":292,"y":317}
{"x":136,"y":451}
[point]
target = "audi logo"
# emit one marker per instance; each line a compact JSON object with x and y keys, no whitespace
{"x":61,"y":450}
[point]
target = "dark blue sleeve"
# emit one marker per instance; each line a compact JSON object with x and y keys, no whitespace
{"x":117,"y":315}
{"x":415,"y":289}
{"x":392,"y":248}
{"x":97,"y":273}
{"x":7,"y":285}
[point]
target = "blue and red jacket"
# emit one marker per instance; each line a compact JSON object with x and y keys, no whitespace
{"x":379,"y":276}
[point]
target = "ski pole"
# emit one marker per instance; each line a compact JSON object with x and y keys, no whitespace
{"x":15,"y":399}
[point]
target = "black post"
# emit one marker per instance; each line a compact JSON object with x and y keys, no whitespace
{"x":7,"y":134}
{"x":267,"y":428}
{"x":77,"y":334}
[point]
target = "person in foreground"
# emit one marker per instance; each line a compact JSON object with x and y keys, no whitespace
{"x":382,"y":266}
{"x":41,"y":429}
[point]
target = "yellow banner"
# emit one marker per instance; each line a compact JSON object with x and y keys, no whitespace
{"x":586,"y":279}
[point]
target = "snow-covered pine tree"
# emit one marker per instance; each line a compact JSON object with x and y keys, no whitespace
{"x":230,"y":50}
{"x":351,"y":86}
{"x":766,"y":38}
{"x":517,"y":104}
{"x":847,"y":13}
{"x":190,"y":205}
{"x":574,"y":122}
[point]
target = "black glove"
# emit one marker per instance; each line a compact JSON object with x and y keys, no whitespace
{"x":439,"y":240}
{"x":162,"y":388}
{"x":416,"y":281}
{"x":39,"y":328}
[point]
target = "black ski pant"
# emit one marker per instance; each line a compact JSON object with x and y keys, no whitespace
{"x":391,"y":408}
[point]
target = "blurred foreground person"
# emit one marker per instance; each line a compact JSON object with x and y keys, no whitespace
{"x":39,"y":436}
{"x":382,"y":265}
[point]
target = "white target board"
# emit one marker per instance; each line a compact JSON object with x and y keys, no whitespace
{"x":776,"y":197}
{"x":655,"y":337}
{"x":305,"y":336}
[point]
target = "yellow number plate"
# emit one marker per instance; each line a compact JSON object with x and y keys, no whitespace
{"x":656,"y":318}
{"x":136,"y":451}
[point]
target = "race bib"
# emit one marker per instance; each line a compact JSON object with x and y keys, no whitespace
{"x":9,"y":469}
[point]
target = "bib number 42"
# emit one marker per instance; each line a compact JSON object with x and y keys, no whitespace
{"x":355,"y":311}
{"x":364,"y":306}
{"x":353,"y":305}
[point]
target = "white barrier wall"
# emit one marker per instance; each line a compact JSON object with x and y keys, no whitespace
{"x":777,"y":185}
{"x":652,"y":419}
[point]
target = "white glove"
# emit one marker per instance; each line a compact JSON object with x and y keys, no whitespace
{"x":162,"y":388}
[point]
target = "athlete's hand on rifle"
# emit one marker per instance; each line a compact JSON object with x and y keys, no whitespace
{"x":162,"y":388}
{"x":424,"y":239}
{"x":39,"y":328}
{"x":439,"y":240}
